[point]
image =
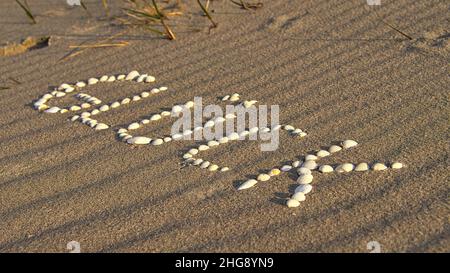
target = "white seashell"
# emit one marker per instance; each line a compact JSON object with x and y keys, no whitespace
{"x":177,"y":136}
{"x":145,"y":94}
{"x":42,"y":107}
{"x":85,"y":120}
{"x":396,"y":165}
{"x":63,"y":86}
{"x":165,"y":113}
{"x":248,"y":104}
{"x":379,"y":167}
{"x":96,"y":101}
{"x":85,"y":114}
{"x":233,"y":136}
{"x":346,"y":144}
{"x":69,"y":89}
{"x":292,"y":203}
{"x":288,"y":127}
{"x":145,"y":121}
{"x":167,"y":139}
{"x":141,"y":78}
{"x":203,"y":147}
{"x":304,"y":188}
{"x":125,"y":138}
{"x":155,"y":117}
{"x":322,"y":153}
{"x":155,"y":91}
{"x":213,"y":143}
{"x":187,"y":132}
{"x":193,"y":151}
{"x":136,"y":98}
{"x":187,"y":155}
{"x":104,"y":78}
{"x":286,"y":168}
{"x":248,"y":184}
{"x":299,"y":196}
{"x":122,"y":135}
{"x":60,"y":94}
{"x":53,"y":110}
{"x":197,"y":162}
{"x":133,"y":126}
{"x":224,"y":169}
{"x":163,"y":88}
{"x":95,"y":112}
{"x":92,"y":123}
{"x":121,"y":77}
{"x":244,"y":133}
{"x":263,"y":177}
{"x":132,"y":75}
{"x":303,"y":170}
{"x":344,"y":168}
{"x":74,"y":118}
{"x":227,"y":97}
{"x":104,"y":108}
{"x":92,"y":81}
{"x":334,"y":149}
{"x":310,"y":164}
{"x":122,"y":130}
{"x":205,"y":164}
{"x":80,"y":84}
{"x":209,"y":123}
{"x":219,"y":119}
{"x":234,"y":97}
{"x":274,"y":172}
{"x":111,"y":78}
{"x":115,"y":104}
{"x":54,"y":93}
{"x":177,"y":109}
{"x":305,"y":179}
{"x":264,"y":130}
{"x":310,"y":157}
{"x":75,"y":108}
{"x":85,"y":105}
{"x":223,"y":140}
{"x":150,"y":79}
{"x":326,"y":169}
{"x":361,"y":167}
{"x":63,"y":111}
{"x":253,"y":130}
{"x":189,"y":104}
{"x":125,"y":101}
{"x":47,"y":96}
{"x":213,"y":168}
{"x":140,"y":140}
{"x":101,"y":126}
{"x":157,"y":142}
{"x":296,"y":163}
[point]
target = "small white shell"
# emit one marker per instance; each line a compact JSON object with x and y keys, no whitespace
{"x":122,"y":130}
{"x":63,"y":111}
{"x":334,"y":148}
{"x":165,"y":113}
{"x":167,"y":139}
{"x":379,"y":167}
{"x":177,"y":109}
{"x":310,"y":157}
{"x":155,"y":117}
{"x":141,"y":78}
{"x":322,"y":153}
{"x":104,"y":78}
{"x":111,"y":78}
{"x":132,"y":75}
{"x":157,"y":142}
{"x":101,"y":126}
{"x":305,"y":179}
{"x":224,"y":169}
{"x":263,"y":177}
{"x":63,"y":86}
{"x":197,"y":162}
{"x":53,"y":110}
{"x":104,"y":108}
{"x":223,"y":140}
{"x":115,"y":104}
{"x":177,"y":136}
{"x":213,"y":168}
{"x":234,"y":97}
{"x":299,"y":196}
{"x":133,"y":126}
{"x":85,"y":114}
{"x":286,"y":168}
{"x":304,"y":188}
{"x":136,"y":98}
{"x":292,"y":203}
{"x":233,"y":136}
{"x":92,"y":81}
{"x":95,"y":112}
{"x":310,"y":164}
{"x":225,"y":97}
{"x":212,"y":143}
{"x":60,"y":94}
{"x":289,"y":127}
{"x":74,"y":118}
{"x":189,"y":104}
{"x":75,"y":108}
{"x":345,"y":168}
{"x":248,"y":184}
{"x":145,"y":94}
{"x":85,"y":105}
{"x":155,"y":91}
{"x":125,"y":101}
{"x":361,"y":167}
{"x":163,"y":88}
{"x":205,"y":164}
{"x":150,"y":79}
{"x":121,"y":77}
{"x":187,"y":155}
{"x":303,"y":170}
{"x":347,"y":144}
{"x":296,"y":163}
{"x":326,"y":169}
{"x":139,"y":140}
{"x":203,"y":147}
{"x":193,"y":151}
{"x":80,"y":84}
{"x":209,"y":123}
{"x":397,"y":165}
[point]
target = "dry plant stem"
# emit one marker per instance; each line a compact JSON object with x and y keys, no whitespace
{"x":169,"y":32}
{"x":214,"y":24}
{"x":105,"y":7}
{"x":100,"y":45}
{"x":27,"y":10}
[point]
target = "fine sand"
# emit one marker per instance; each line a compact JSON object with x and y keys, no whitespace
{"x":336,"y":70}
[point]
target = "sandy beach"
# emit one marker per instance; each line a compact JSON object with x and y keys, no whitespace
{"x":337,"y":69}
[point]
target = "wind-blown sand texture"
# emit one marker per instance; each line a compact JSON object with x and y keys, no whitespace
{"x":334,"y":68}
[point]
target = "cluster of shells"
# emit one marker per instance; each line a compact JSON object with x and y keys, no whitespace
{"x":191,"y":156}
{"x":90,"y":101}
{"x":305,"y":167}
